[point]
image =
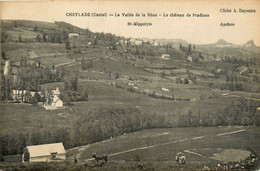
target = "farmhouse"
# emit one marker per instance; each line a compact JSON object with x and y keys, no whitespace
{"x":189,"y":58}
{"x":155,"y":43}
{"x":55,"y":101}
{"x":44,"y":153}
{"x":75,"y":35}
{"x":166,"y":56}
{"x":22,"y":95}
{"x":18,"y":95}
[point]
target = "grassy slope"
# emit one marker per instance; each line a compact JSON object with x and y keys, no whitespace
{"x":158,"y":155}
{"x":23,"y":117}
{"x":162,"y":157}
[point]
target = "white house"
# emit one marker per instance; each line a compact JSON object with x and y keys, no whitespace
{"x":155,"y":43}
{"x":189,"y":58}
{"x":18,"y":95}
{"x":166,"y":56}
{"x":74,"y":35}
{"x":56,"y":102}
{"x":44,"y":153}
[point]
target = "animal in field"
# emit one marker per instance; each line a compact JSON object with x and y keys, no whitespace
{"x":97,"y":158}
{"x":180,"y":158}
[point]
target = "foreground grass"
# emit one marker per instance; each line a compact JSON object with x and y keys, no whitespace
{"x":160,"y":157}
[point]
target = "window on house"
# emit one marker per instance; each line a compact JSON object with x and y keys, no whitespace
{"x":53,"y":155}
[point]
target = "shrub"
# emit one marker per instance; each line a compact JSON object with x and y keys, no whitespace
{"x":33,"y":101}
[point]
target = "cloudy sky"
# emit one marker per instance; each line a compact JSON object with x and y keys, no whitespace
{"x":199,"y":30}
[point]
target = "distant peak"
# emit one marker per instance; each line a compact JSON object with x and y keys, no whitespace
{"x":222,"y":42}
{"x":249,"y":43}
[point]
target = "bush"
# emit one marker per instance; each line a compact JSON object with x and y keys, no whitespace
{"x":83,"y":96}
{"x":137,"y":158}
{"x":33,"y":101}
{"x":37,"y":96}
{"x":116,"y":75}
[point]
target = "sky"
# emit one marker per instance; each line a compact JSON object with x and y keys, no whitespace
{"x":197,"y":30}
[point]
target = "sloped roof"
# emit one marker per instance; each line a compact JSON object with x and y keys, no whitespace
{"x":57,"y":91}
{"x":46,"y":149}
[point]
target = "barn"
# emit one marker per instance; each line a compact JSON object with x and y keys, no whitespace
{"x":44,"y":153}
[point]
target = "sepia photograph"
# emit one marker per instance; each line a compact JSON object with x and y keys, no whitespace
{"x":130,"y":85}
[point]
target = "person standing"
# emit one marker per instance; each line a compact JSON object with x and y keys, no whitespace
{"x":75,"y":159}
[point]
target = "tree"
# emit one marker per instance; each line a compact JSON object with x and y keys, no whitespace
{"x":190,"y":118}
{"x":90,"y":64}
{"x":70,"y":88}
{"x":180,"y":46}
{"x":15,"y":24}
{"x":83,"y":64}
{"x":200,"y":55}
{"x":67,"y":45}
{"x":186,"y":81}
{"x":95,"y":42}
{"x":37,"y":96}
{"x":38,"y":37}
{"x":44,"y":37}
{"x":26,"y":155}
{"x":3,"y":55}
{"x":84,"y":95}
{"x":27,"y":96}
{"x":109,"y":75}
{"x":71,"y":82}
{"x":36,"y":138}
{"x":67,"y":97}
{"x":116,"y":75}
{"x":163,"y":74}
{"x":20,"y":38}
{"x":189,"y":48}
{"x":33,"y":101}
{"x":35,"y":29}
{"x":58,"y":38}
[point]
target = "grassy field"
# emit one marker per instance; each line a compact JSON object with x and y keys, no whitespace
{"x":18,"y":118}
{"x":24,"y":117}
{"x":14,"y":51}
{"x":157,"y":148}
{"x":26,"y":34}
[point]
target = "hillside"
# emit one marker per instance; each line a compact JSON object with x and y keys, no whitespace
{"x":223,"y":148}
{"x":110,"y":85}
